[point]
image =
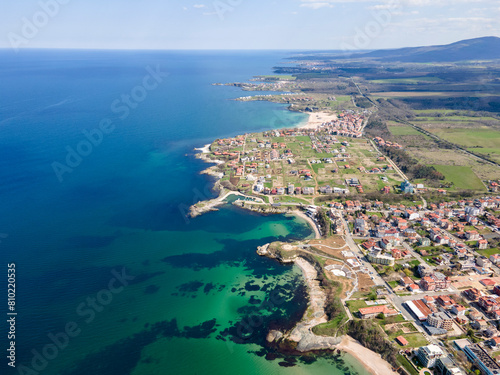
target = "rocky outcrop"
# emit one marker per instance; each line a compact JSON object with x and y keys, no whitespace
{"x":302,"y":336}
{"x":274,"y":335}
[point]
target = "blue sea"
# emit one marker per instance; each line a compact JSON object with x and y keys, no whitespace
{"x":97,"y":170}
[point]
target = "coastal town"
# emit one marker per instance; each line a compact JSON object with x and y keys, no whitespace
{"x":419,"y":264}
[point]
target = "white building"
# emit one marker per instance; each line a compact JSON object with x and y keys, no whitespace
{"x":428,"y":355}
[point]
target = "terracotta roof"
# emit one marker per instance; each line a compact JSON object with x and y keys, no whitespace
{"x":402,"y":340}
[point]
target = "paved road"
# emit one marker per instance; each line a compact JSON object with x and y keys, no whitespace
{"x":355,"y":249}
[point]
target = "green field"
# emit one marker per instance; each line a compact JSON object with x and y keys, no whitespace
{"x":317,"y":167}
{"x":403,"y":130}
{"x":455,"y":119}
{"x":470,"y":137}
{"x":289,"y":199}
{"x":462,"y":177}
{"x":493,"y":153}
{"x":408,"y":81}
{"x":488,"y":252}
{"x":431,"y":111}
{"x":355,"y":305}
{"x":415,"y":340}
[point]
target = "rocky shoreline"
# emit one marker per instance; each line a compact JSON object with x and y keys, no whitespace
{"x":302,"y":334}
{"x":301,"y":339}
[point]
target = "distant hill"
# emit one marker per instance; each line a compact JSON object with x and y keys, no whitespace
{"x":486,"y":48}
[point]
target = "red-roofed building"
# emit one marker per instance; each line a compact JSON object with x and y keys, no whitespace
{"x":487,"y":282}
{"x":373,"y":311}
{"x":472,"y":294}
{"x":402,"y":341}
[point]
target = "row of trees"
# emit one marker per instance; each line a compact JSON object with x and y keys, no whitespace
{"x":323,"y":222}
{"x":410,"y":166}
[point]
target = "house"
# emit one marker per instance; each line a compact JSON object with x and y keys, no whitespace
{"x":386,"y":190}
{"x":483,"y":262}
{"x":472,"y":235}
{"x":488,"y":304}
{"x":424,"y":270}
{"x":396,"y":253}
{"x":402,"y":341}
{"x":307,"y":190}
{"x":411,"y":215}
{"x":496,"y":290}
{"x":385,"y":244}
{"x":373,"y":311}
{"x":473,"y":294}
{"x":494,"y":343}
{"x":424,"y":241}
{"x":490,"y":331}
{"x":475,"y":315}
{"x":479,"y":324}
{"x":368,"y":245}
{"x":495,"y":258}
{"x":445,"y":301}
{"x":406,"y":187}
{"x":406,"y":281}
{"x":482,"y":244}
{"x":413,"y":288}
{"x":458,"y":310}
{"x":326,"y":189}
{"x":360,"y":226}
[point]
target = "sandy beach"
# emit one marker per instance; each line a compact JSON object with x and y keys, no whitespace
{"x":317,"y":118}
{"x":372,"y":361}
{"x":310,"y":221}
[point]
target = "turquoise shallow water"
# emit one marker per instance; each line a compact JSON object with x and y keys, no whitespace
{"x":199,"y":299}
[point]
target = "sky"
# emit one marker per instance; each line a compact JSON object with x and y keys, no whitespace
{"x":244,"y":24}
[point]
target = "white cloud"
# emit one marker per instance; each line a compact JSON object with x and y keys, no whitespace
{"x":199,"y":6}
